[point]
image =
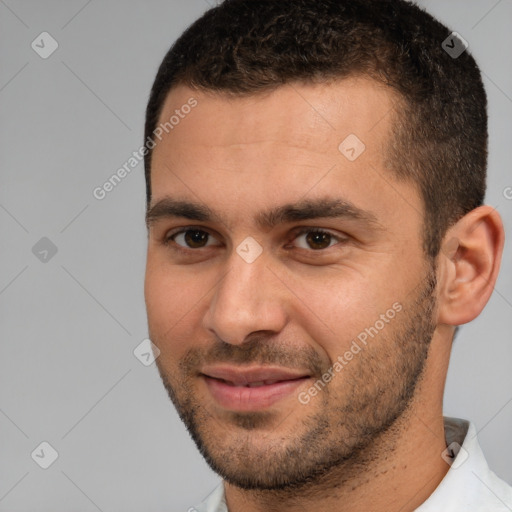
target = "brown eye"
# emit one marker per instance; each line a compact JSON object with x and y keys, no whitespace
{"x":190,"y":238}
{"x":196,"y":238}
{"x":317,"y":239}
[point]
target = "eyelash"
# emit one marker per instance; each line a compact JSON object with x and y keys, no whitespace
{"x":169,"y":238}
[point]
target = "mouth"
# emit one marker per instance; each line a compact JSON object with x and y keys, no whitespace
{"x":251,"y":389}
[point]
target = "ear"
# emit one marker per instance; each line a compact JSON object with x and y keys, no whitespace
{"x":468,"y":265}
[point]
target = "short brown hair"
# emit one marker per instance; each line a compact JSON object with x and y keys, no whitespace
{"x":439,"y":140}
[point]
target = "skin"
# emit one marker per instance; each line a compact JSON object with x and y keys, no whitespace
{"x":300,"y":307}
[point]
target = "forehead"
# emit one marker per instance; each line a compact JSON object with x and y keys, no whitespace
{"x":277,"y":147}
{"x":295,"y":113}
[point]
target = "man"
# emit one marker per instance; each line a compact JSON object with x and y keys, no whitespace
{"x":315,"y":186}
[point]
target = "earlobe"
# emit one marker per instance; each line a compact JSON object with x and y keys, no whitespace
{"x":468,"y":265}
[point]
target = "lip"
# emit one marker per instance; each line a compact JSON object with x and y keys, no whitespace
{"x":253,"y":388}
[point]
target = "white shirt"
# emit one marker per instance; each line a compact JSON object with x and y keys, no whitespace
{"x":468,"y":486}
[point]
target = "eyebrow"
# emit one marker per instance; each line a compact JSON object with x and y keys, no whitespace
{"x":326,"y":207}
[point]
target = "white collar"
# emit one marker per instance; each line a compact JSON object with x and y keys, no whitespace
{"x":469,"y":484}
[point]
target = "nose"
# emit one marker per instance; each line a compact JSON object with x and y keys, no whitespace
{"x":250,"y":298}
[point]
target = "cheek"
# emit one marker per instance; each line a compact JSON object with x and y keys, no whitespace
{"x":173,"y":303}
{"x":335,"y":312}
{"x":155,"y":293}
{"x":164,"y":303}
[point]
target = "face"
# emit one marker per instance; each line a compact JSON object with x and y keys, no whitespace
{"x":286,"y":286}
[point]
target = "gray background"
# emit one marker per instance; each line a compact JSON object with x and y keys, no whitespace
{"x":69,"y":325}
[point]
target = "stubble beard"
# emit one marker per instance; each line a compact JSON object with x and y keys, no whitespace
{"x":254,"y":451}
